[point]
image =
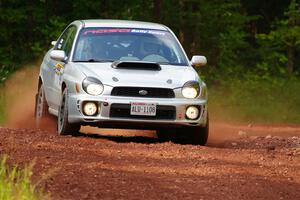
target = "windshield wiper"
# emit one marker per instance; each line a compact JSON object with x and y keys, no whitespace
{"x":168,"y":63}
{"x":164,"y":63}
{"x":94,"y":60}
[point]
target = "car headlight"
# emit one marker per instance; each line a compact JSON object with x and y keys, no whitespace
{"x":191,"y":90}
{"x":92,"y":86}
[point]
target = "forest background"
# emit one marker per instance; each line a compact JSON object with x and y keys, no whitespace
{"x":252,"y":46}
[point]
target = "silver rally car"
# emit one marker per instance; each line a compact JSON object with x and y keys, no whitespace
{"x":123,"y":74}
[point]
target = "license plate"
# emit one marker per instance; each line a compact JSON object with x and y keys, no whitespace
{"x":144,"y":109}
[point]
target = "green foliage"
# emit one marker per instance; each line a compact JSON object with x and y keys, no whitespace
{"x":215,"y":28}
{"x":265,"y":90}
{"x":15,"y":183}
{"x":250,"y":43}
{"x":278,"y":48}
{"x":224,"y":40}
{"x":256,"y":100}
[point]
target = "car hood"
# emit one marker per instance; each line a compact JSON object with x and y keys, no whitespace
{"x":170,"y":76}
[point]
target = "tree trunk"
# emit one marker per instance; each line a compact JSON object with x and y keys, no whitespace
{"x":291,"y":57}
{"x":30,"y":23}
{"x":157,"y":10}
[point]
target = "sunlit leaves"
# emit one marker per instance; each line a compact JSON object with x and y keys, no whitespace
{"x":279,"y":46}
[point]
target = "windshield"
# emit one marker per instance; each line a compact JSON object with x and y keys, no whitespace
{"x":126,"y":44}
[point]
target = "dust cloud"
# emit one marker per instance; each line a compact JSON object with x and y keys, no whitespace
{"x":20,"y":90}
{"x":19,"y":94}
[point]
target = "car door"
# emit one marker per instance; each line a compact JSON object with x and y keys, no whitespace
{"x":64,"y":43}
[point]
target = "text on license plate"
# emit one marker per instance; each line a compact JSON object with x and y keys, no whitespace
{"x":145,"y":109}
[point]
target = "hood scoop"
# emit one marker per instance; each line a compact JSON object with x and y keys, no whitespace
{"x":136,"y":65}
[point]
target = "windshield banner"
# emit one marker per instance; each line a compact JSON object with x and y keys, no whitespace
{"x":122,"y":30}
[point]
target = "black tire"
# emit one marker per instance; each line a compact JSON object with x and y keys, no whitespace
{"x":166,"y":135}
{"x":63,"y":125}
{"x":41,"y":107}
{"x":197,"y":135}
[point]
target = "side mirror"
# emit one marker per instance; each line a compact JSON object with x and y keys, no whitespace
{"x":58,"y":55}
{"x":53,"y":43}
{"x":198,"y":61}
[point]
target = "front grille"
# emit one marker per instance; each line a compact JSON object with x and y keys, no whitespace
{"x":123,"y":111}
{"x":140,"y":92}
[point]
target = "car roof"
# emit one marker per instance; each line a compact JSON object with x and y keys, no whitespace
{"x":122,"y":24}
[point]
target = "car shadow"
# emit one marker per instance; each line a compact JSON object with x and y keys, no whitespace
{"x":120,"y":139}
{"x":133,"y":139}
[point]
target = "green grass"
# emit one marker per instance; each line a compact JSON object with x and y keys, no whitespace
{"x":256,"y":101}
{"x":15,"y":183}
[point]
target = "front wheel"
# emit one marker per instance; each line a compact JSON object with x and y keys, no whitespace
{"x":63,"y":125}
{"x":197,"y":135}
{"x":166,"y":135}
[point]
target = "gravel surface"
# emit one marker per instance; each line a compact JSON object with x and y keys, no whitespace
{"x":240,"y":162}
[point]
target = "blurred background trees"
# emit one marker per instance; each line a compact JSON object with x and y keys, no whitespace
{"x":248,"y":43}
{"x":236,"y":36}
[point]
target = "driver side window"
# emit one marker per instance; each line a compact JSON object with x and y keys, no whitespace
{"x":66,"y":40}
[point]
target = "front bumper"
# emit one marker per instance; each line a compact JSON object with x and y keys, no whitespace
{"x":107,"y":103}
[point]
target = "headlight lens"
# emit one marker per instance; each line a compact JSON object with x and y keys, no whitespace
{"x":94,"y":89}
{"x":92,"y":86}
{"x":191,"y":90}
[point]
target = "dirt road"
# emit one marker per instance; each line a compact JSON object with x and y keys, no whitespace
{"x":239,"y":162}
{"x":93,"y":166}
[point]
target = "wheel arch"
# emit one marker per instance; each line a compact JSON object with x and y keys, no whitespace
{"x":40,"y":82}
{"x":63,"y":86}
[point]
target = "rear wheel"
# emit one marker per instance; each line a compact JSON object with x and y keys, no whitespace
{"x":63,"y":125}
{"x":41,"y":107}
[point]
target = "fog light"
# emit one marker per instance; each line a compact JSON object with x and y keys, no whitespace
{"x":90,"y":108}
{"x":192,"y":112}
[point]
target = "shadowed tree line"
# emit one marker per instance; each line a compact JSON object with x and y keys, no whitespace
{"x":237,"y":36}
{"x":252,"y":46}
